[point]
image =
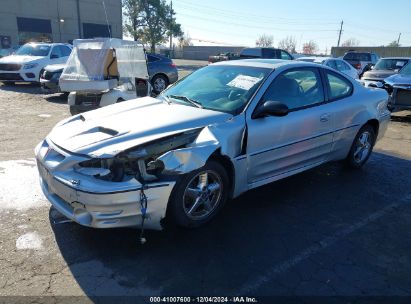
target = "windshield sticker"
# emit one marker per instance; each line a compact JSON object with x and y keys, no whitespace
{"x":243,"y":82}
{"x":400,"y":63}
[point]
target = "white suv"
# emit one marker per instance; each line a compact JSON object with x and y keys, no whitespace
{"x":27,"y":63}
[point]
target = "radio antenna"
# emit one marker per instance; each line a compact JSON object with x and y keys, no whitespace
{"x":108,"y":25}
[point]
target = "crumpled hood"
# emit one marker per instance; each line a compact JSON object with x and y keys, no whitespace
{"x":17,"y":59}
{"x":378,"y":74}
{"x":399,"y":79}
{"x":107,"y":131}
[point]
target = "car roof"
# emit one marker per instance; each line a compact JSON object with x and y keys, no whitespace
{"x":265,"y":63}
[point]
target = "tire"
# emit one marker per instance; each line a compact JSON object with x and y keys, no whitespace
{"x":361,"y":148}
{"x":159,"y":83}
{"x":74,"y":111}
{"x":181,"y":207}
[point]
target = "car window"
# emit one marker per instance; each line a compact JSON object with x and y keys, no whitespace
{"x":341,"y":66}
{"x":152,"y":58}
{"x":34,"y":50}
{"x":296,"y":88}
{"x":339,"y":86}
{"x":357,"y":56}
{"x":331,"y":64}
{"x":251,"y":52}
{"x":269,"y":53}
{"x":390,"y":64}
{"x":285,"y":56}
{"x":65,"y":50}
{"x":222,"y":88}
{"x":55,"y":52}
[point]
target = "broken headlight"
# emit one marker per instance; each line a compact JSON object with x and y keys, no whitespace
{"x":140,"y":163}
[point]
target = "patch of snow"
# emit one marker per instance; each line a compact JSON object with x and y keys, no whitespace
{"x":29,"y":240}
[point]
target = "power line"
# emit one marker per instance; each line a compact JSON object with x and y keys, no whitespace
{"x":254,"y":26}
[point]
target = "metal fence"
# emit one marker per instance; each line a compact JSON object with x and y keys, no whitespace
{"x":381,"y":51}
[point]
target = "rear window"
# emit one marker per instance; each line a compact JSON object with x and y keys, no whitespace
{"x":251,"y":53}
{"x":357,"y":56}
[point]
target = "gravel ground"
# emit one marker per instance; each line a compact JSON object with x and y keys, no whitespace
{"x":325,"y":232}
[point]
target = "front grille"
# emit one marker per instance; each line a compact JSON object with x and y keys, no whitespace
{"x":88,"y":99}
{"x":10,"y":76}
{"x":10,"y":67}
{"x":403,"y":98}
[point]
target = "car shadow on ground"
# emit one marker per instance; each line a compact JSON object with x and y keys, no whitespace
{"x":401,"y":118}
{"x":56,"y":98}
{"x":22,"y":87}
{"x":239,"y":250}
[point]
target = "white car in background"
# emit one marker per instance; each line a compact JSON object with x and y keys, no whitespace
{"x":27,"y":63}
{"x":334,"y":63}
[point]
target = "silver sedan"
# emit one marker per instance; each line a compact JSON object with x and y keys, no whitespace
{"x":225,"y":129}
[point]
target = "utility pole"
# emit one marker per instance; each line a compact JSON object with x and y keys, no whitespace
{"x":398,"y":41}
{"x":339,"y":36}
{"x":171,"y":27}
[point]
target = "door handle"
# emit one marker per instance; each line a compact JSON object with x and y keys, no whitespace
{"x":325,"y":117}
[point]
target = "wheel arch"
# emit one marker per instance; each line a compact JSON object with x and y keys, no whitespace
{"x":225,"y":161}
{"x":375,"y":124}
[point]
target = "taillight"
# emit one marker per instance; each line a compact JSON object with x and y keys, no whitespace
{"x":357,"y":66}
{"x":173,"y":65}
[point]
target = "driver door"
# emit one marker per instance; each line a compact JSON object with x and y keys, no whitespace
{"x":302,"y":138}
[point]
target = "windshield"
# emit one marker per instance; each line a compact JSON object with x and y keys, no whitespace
{"x":406,"y":70}
{"x":218,"y":87}
{"x":34,"y":50}
{"x":390,"y":64}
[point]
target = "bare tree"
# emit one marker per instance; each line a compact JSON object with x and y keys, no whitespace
{"x":394,"y":43}
{"x":264,"y":41}
{"x":310,"y":47}
{"x":289,"y":44}
{"x":351,"y":42}
{"x":184,"y":41}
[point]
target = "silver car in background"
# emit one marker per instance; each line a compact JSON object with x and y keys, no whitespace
{"x":334,"y":63}
{"x":224,"y":129}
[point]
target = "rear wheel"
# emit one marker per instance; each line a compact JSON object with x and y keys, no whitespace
{"x":159,"y":83}
{"x":199,"y":195}
{"x":362,"y":147}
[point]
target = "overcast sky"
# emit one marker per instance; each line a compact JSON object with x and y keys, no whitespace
{"x":234,"y":22}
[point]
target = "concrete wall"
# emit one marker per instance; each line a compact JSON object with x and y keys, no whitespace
{"x":202,"y":52}
{"x":91,"y":11}
{"x":381,"y":51}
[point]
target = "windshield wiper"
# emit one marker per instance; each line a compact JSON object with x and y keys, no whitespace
{"x":189,"y":100}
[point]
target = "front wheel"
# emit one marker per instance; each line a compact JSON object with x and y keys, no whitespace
{"x":199,"y":195}
{"x":362,"y":147}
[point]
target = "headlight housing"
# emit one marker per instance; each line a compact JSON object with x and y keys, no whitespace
{"x":29,"y":66}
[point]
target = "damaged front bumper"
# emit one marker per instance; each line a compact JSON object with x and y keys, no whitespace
{"x":94,"y":203}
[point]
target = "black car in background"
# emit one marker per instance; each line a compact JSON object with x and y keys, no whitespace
{"x":268,"y":53}
{"x":362,"y":61}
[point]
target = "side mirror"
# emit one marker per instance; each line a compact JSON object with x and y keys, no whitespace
{"x":54,"y":56}
{"x":270,"y":108}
